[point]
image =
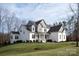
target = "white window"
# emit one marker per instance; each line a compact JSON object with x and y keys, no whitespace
{"x":60,"y":36}
{"x":16,"y":37}
{"x":33,"y":36}
{"x":38,"y":36}
{"x":33,"y":28}
{"x":41,"y":24}
{"x":64,"y":36}
{"x":45,"y":30}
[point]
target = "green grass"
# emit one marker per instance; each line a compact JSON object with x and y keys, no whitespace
{"x":40,"y":49}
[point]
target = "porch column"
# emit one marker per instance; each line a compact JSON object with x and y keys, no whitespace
{"x":43,"y":40}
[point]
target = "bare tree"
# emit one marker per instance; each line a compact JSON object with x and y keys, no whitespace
{"x":6,"y":20}
{"x":76,"y":22}
{"x":16,"y":23}
{"x":77,"y":27}
{"x":3,"y":14}
{"x":9,"y":23}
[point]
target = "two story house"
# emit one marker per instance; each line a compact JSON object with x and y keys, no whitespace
{"x":38,"y":31}
{"x":33,"y":31}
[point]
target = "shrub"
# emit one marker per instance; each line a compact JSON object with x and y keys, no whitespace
{"x":72,"y":43}
{"x":49,"y":40}
{"x":23,"y":41}
{"x":37,"y":49}
{"x":41,"y":41}
{"x":34,"y":41}
{"x":37,"y":41}
{"x":19,"y":41}
{"x":27,"y":41}
{"x":30,"y":41}
{"x":14,"y":42}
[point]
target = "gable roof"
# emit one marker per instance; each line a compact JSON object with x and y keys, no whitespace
{"x":37,"y":22}
{"x":30,"y":23}
{"x":15,"y":32}
{"x":54,"y":28}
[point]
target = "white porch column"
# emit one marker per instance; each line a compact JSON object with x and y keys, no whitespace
{"x":43,"y":40}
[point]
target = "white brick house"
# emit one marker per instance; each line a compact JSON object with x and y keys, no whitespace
{"x":34,"y":31}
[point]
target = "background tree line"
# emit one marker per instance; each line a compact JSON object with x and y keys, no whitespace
{"x":8,"y":22}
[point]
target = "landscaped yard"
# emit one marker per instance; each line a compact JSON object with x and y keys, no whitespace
{"x":40,"y":49}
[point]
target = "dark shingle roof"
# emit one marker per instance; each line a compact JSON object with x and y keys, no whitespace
{"x":29,"y":24}
{"x":38,"y":22}
{"x":55,"y":28}
{"x":15,"y":32}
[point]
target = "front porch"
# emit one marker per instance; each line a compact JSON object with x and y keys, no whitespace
{"x":41,"y":37}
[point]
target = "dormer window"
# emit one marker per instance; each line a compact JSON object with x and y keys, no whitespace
{"x":41,"y":25}
{"x":33,"y":29}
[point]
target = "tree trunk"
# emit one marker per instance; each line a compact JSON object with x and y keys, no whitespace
{"x":76,"y":38}
{"x":77,"y":27}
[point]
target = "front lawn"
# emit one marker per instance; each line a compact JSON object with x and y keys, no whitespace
{"x":40,"y":49}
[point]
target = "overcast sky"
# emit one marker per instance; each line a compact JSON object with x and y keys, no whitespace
{"x":35,"y":11}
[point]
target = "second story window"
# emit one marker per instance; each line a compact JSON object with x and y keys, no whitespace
{"x":33,"y":28}
{"x":33,"y":36}
{"x":41,"y":25}
{"x":44,"y":30}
